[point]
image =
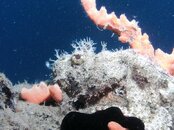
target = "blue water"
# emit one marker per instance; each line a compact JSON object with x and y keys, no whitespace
{"x":30,"y":30}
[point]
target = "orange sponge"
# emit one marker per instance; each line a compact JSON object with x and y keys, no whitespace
{"x":165,"y":60}
{"x":128,"y":32}
{"x":55,"y":92}
{"x":41,"y":92}
{"x":37,"y":94}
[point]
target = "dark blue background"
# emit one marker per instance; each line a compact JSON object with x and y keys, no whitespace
{"x":30,"y":30}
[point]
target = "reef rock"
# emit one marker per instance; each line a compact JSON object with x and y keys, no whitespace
{"x":6,"y":94}
{"x":124,"y":78}
{"x":91,"y":82}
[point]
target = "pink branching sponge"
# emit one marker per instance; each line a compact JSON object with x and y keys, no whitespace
{"x":41,"y":92}
{"x":128,"y":31}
